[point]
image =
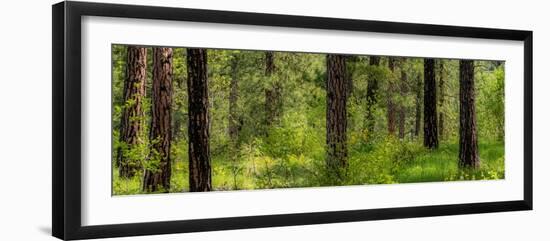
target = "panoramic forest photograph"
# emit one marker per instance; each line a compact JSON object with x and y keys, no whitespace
{"x":200,"y":119}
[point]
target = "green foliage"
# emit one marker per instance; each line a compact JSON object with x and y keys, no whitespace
{"x":118,"y":74}
{"x":125,"y":186}
{"x":490,"y":103}
{"x":152,"y":161}
{"x":291,"y":152}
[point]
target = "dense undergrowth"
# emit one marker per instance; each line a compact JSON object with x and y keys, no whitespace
{"x":388,"y":162}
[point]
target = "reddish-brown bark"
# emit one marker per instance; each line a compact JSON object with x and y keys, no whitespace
{"x":160,"y":134}
{"x":336,"y":114}
{"x":468,"y":151}
{"x":431,"y":140}
{"x":200,"y":176}
{"x":131,"y":123}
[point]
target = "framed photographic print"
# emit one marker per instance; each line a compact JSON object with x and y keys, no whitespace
{"x":169,"y":120}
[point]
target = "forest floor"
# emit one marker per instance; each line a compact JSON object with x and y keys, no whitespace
{"x":384,"y":164}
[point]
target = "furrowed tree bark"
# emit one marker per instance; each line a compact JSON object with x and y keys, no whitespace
{"x":468,"y":151}
{"x":441,"y":98}
{"x":200,"y":177}
{"x":337,"y":152}
{"x":160,"y":134}
{"x":431,"y":140}
{"x":418,"y":106}
{"x":391,"y":111}
{"x":403,"y":89}
{"x":132,"y":113}
{"x":372,"y":96}
{"x":273,"y":92}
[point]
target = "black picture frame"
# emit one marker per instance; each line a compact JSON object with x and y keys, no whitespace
{"x":67,"y":135}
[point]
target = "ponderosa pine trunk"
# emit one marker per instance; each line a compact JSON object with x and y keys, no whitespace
{"x":269,"y":63}
{"x":337,"y":152}
{"x":392,"y":108}
{"x":273,"y":92}
{"x":200,"y":176}
{"x":160,"y":134}
{"x":441,"y":98}
{"x":234,"y":119}
{"x":233,"y":97}
{"x":431,"y":140}
{"x":350,"y":65}
{"x":132,"y":112}
{"x":418,"y":106}
{"x":403,"y":89}
{"x":468,"y":151}
{"x":372,"y":96}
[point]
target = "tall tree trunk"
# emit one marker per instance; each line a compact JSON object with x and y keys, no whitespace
{"x":350,"y":65}
{"x":441,"y":97}
{"x":337,"y":152}
{"x":233,"y":97}
{"x":418,"y":106}
{"x":269,"y":63}
{"x":431,"y":140}
{"x":200,"y":176}
{"x":403,"y":89}
{"x":234,"y":119}
{"x":273,"y":92}
{"x":160,"y":133}
{"x":372,"y":96}
{"x":132,"y":113}
{"x":391,"y":111}
{"x":468,"y":152}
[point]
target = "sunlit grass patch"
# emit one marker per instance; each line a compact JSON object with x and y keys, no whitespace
{"x":389,"y":161}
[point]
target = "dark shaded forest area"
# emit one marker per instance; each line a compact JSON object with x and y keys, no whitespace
{"x":191,"y":119}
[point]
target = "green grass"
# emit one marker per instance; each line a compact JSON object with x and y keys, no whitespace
{"x":441,"y":165}
{"x":389,"y":161}
{"x":124,"y":186}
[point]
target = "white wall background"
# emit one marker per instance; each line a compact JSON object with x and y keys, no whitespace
{"x":25,"y":119}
